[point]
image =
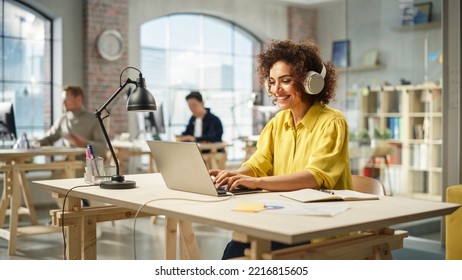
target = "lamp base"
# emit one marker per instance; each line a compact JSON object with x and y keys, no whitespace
{"x":118,"y":183}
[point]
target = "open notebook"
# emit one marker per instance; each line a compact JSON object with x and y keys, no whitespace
{"x":311,"y":195}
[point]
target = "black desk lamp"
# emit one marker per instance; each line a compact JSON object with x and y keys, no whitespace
{"x":140,"y":100}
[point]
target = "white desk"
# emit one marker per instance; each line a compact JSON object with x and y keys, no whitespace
{"x":259,"y":228}
{"x":15,"y":163}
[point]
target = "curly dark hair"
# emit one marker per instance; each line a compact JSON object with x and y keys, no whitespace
{"x":304,"y":56}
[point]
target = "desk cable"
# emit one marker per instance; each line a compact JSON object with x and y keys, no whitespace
{"x":62,"y":214}
{"x":231,"y":195}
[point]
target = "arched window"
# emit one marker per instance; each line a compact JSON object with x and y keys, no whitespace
{"x":25,"y":70}
{"x":184,"y":52}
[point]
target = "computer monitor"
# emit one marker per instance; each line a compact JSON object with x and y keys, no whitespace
{"x":154,"y":121}
{"x":7,"y":123}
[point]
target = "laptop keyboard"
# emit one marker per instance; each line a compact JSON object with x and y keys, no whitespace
{"x":239,"y":189}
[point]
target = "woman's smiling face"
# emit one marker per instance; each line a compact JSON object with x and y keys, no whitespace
{"x":281,"y":84}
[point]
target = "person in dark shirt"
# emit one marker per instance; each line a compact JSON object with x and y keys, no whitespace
{"x":203,"y":126}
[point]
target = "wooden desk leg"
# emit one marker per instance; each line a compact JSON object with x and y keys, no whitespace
{"x":189,"y":248}
{"x":258,"y":247}
{"x":383,"y":252}
{"x":170,"y":238}
{"x":6,"y":197}
{"x":68,"y":172}
{"x":89,"y":238}
{"x":27,"y":198}
{"x":14,"y":207}
{"x":213,"y":159}
{"x":73,"y":233}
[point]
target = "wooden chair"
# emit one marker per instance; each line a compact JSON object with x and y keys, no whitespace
{"x":367,"y":185}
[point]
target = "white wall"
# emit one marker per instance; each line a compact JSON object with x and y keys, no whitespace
{"x":331,"y":25}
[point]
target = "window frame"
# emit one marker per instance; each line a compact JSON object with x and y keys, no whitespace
{"x":167,"y":89}
{"x":47,"y":84}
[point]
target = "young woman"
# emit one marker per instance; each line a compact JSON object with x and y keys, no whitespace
{"x":306,"y":144}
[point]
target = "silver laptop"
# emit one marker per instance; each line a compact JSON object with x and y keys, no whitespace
{"x":183,"y":168}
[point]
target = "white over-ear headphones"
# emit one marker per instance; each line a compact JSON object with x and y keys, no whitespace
{"x":314,"y":82}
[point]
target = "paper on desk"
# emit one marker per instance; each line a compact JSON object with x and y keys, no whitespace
{"x":312,"y":209}
{"x":249,"y":207}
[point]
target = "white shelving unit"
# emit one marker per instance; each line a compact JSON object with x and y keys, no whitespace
{"x":413,"y":115}
{"x":417,"y":27}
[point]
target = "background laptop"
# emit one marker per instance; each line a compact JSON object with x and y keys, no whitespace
{"x":183,"y":168}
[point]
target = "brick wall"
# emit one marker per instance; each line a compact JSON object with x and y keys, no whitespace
{"x":302,"y":23}
{"x":101,"y":77}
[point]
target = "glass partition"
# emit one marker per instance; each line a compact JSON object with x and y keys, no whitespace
{"x":392,"y":89}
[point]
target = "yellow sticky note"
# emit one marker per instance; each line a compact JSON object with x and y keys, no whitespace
{"x":249,"y":207}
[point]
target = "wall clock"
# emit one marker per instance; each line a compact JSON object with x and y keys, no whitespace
{"x":110,"y":44}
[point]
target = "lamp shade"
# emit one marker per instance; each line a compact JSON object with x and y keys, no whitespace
{"x":141,"y":100}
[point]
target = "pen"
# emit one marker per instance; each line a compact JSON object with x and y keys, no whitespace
{"x":90,"y":151}
{"x":327,"y":191}
{"x":93,"y":160}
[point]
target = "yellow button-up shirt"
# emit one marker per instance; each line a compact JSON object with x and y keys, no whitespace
{"x":318,"y":144}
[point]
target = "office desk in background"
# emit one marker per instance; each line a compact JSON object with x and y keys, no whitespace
{"x":250,"y":145}
{"x":127,"y":149}
{"x":214,"y":154}
{"x":14,"y":164}
{"x":372,"y":218}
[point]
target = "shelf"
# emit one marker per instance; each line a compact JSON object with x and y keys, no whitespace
{"x":395,"y":141}
{"x":426,"y":141}
{"x":383,"y":115}
{"x":391,"y":115}
{"x":383,"y":165}
{"x":390,"y":88}
{"x":425,"y":114}
{"x":418,"y":115}
{"x":417,"y":27}
{"x":361,"y":68}
{"x":420,"y":171}
{"x":425,"y":86}
{"x":386,"y":88}
{"x":426,"y":169}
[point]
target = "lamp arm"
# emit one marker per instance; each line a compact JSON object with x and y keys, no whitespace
{"x":106,"y":136}
{"x":128,"y":81}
